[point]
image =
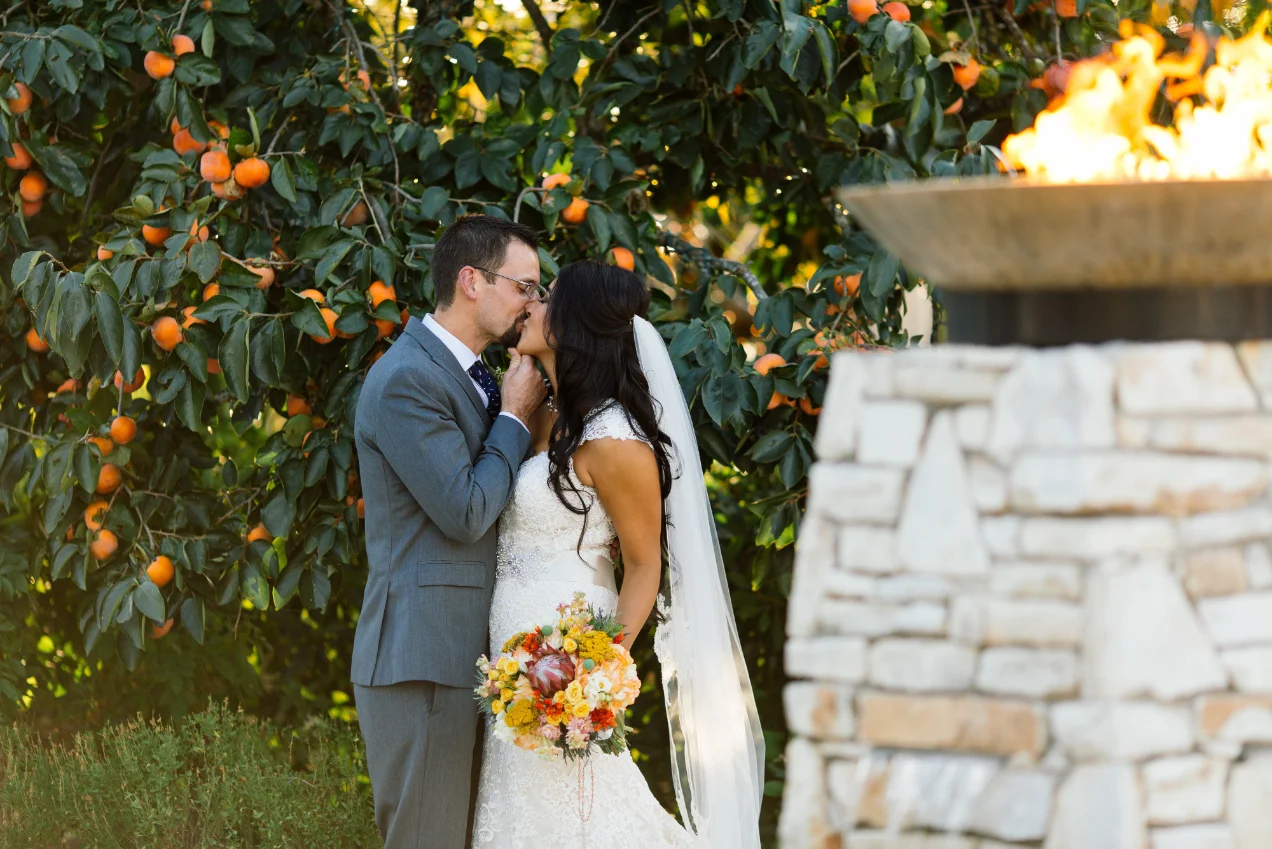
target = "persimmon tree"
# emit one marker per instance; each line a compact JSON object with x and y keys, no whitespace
{"x":217,"y":216}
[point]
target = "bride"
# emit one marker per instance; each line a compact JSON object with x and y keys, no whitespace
{"x":616,"y":458}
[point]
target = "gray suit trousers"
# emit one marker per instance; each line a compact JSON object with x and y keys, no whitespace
{"x":420,"y":738}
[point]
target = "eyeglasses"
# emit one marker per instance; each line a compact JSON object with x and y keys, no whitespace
{"x":527,"y":290}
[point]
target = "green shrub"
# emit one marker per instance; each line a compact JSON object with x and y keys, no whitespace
{"x":220,"y":779}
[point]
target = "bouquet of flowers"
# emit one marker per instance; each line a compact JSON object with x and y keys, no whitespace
{"x":562,"y":688}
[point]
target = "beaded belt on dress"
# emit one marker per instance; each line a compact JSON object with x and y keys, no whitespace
{"x":588,"y":565}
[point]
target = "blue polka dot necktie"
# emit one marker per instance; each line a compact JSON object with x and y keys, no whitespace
{"x":486,"y":381}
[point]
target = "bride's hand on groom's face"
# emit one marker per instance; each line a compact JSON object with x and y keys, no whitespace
{"x":523,"y":388}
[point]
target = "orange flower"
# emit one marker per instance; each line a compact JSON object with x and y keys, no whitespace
{"x":602,"y":718}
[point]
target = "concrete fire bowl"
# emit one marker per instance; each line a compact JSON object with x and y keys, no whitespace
{"x":999,"y":235}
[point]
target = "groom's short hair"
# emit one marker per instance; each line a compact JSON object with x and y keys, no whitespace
{"x":480,"y":241}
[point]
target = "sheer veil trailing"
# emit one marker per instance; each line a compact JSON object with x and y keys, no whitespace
{"x":717,"y":745}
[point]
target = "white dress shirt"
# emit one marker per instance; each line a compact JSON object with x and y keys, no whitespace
{"x":466,"y":358}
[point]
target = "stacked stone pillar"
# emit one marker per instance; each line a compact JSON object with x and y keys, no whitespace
{"x":1032,"y":603}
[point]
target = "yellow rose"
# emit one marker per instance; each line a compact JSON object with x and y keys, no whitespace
{"x":505,"y":694}
{"x":508,"y":666}
{"x":569,"y":645}
{"x":574,"y":691}
{"x":581,"y":710}
{"x":496,"y":707}
{"x":559,"y":697}
{"x":492,"y":673}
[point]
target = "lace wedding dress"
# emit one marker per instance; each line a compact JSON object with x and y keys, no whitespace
{"x":524,"y":800}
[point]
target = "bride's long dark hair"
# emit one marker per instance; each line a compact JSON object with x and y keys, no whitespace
{"x":589,"y":327}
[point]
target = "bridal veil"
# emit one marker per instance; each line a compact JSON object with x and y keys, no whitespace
{"x":717,"y":744}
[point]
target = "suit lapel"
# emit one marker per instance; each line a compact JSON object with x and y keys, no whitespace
{"x":444,"y":358}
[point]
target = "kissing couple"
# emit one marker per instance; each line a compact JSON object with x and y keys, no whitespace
{"x":487,"y":506}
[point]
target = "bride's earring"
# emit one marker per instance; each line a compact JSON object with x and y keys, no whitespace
{"x":551,"y":398}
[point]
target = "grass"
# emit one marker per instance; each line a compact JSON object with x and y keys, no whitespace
{"x":220,"y":779}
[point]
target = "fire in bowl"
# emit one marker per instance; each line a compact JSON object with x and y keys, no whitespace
{"x":1120,"y":228}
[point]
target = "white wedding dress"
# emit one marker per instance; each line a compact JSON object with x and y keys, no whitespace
{"x":525,"y":800}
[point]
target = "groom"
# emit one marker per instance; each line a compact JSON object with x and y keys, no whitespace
{"x":439,"y":445}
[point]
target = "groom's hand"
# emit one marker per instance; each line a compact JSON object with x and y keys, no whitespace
{"x":523,"y":388}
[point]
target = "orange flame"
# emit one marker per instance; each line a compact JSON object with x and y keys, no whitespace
{"x":1100,"y":129}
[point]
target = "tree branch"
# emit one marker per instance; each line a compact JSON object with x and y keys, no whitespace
{"x":711,"y":263}
{"x":352,"y":35}
{"x":1008,"y":19}
{"x":540,"y":22}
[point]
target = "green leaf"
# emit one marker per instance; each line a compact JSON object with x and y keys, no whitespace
{"x":234,"y":356}
{"x":771,"y":446}
{"x":127,"y":649}
{"x":881,"y":275}
{"x":722,"y":397}
{"x":57,"y":58}
{"x":268,"y":352}
{"x":205,"y":259}
{"x":31,"y":59}
{"x":295,"y":428}
{"x":208,"y":42}
{"x":254,"y":586}
{"x":793,"y":466}
{"x":464,"y":56}
{"x":287,"y":585}
{"x":467,"y":169}
{"x":979,"y":129}
{"x":189,"y":404}
{"x":308,"y":319}
{"x":76,"y":310}
{"x":132,"y":350}
{"x":895,"y":34}
{"x":23,"y":265}
{"x":280,"y":176}
{"x":316,"y":465}
{"x":62,"y":561}
{"x":435,"y":197}
{"x":278,"y":514}
{"x":760,"y":42}
{"x":256,"y":130}
{"x":195,"y":69}
{"x":58,"y":167}
{"x":193,"y":611}
{"x":330,"y":259}
{"x":796,"y":30}
{"x":149,"y":600}
{"x":315,"y":589}
{"x":762,"y":93}
{"x":488,"y":78}
{"x":826,"y":49}
{"x":87,"y":467}
{"x":109,"y":601}
{"x":688,"y":339}
{"x":77,"y":36}
{"x":598,"y":220}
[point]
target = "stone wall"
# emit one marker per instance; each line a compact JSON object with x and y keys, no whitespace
{"x":1032,"y":602}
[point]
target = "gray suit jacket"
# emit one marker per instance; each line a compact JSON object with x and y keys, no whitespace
{"x":435,"y":476}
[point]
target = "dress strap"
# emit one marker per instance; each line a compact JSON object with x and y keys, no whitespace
{"x":611,"y":421}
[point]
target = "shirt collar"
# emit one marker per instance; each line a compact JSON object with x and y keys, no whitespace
{"x":461,"y":351}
